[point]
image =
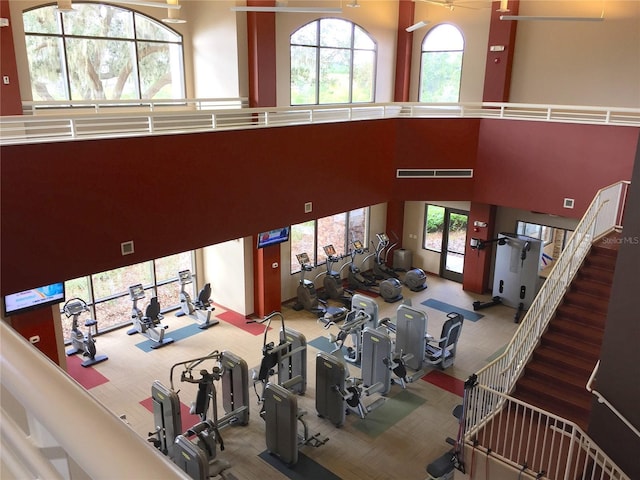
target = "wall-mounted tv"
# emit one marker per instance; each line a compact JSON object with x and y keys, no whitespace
{"x":273,"y":237}
{"x":21,"y":302}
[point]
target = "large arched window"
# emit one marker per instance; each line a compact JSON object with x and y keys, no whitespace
{"x":441,"y":65}
{"x":332,"y":61}
{"x":99,"y":52}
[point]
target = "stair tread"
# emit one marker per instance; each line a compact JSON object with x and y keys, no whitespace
{"x":573,"y":345}
{"x":545,"y":370}
{"x":555,"y":392}
{"x":583,"y":315}
{"x":578,"y":416}
{"x":568,"y":326}
{"x":559,"y":357}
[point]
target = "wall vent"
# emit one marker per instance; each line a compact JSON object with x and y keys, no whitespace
{"x":308,"y":207}
{"x":127,"y":247}
{"x":568,"y":203}
{"x":434,"y":173}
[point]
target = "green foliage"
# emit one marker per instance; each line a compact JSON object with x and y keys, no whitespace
{"x":435,"y":219}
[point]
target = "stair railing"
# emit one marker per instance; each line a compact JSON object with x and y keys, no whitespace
{"x":602,"y":399}
{"x":532,"y":440}
{"x":603,"y":216}
{"x":497,"y":379}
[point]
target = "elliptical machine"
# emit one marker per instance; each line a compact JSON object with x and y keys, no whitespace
{"x":382,"y":249}
{"x":307,"y":296}
{"x":389,"y":289}
{"x":80,"y":342}
{"x":202,"y":308}
{"x":148,"y":324}
{"x":332,"y":281}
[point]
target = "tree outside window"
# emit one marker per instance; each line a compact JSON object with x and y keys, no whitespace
{"x":332,"y":61}
{"x":441,"y":65}
{"x":101,"y":52}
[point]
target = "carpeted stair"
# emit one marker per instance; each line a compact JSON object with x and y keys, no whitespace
{"x":556,"y":376}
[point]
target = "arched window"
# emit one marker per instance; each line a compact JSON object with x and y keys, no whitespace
{"x":441,"y":65}
{"x":332,"y":61}
{"x":99,"y":52}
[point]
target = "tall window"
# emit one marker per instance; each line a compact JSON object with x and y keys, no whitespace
{"x":107,"y":293}
{"x":332,"y":61}
{"x":441,"y":65}
{"x":101,"y":52}
{"x":338,"y":230}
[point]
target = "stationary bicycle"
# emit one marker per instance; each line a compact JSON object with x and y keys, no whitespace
{"x":148,"y":324}
{"x":202,"y":308}
{"x":80,"y":342}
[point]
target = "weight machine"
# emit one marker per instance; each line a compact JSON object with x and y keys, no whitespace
{"x":197,"y":456}
{"x":202,"y":308}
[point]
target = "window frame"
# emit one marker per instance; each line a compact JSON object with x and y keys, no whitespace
{"x":295,"y":265}
{"x":423,"y":52}
{"x":62,"y":37}
{"x":319,"y":47}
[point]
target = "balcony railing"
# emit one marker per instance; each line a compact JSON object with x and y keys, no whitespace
{"x":65,"y":121}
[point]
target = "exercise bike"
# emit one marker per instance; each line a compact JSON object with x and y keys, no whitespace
{"x":202,"y":308}
{"x":332,"y":281}
{"x":307,"y":296}
{"x":148,"y":324}
{"x":80,"y":342}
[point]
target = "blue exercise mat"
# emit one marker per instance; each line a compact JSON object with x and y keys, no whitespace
{"x":304,"y":469}
{"x":448,"y":308}
{"x":177,"y":334}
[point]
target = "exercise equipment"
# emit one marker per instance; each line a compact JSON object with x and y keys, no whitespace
{"x":443,"y":467}
{"x":148,"y":324}
{"x":441,"y":351}
{"x":351,"y":328}
{"x":195,"y":452}
{"x":288,"y":359}
{"x":382,"y":249}
{"x":202,"y":308}
{"x":416,"y":280}
{"x":337,"y":393}
{"x":74,"y":307}
{"x":390,"y":289}
{"x":516,"y":277}
{"x":282,"y":421}
{"x":332,"y":282}
{"x":197,"y":456}
{"x":307,"y":296}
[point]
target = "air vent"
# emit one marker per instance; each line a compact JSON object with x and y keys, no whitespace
{"x":437,"y":173}
{"x":568,"y":203}
{"x":127,"y":247}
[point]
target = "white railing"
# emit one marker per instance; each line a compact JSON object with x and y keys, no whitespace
{"x":603,"y":215}
{"x":533,"y":441}
{"x":121,"y":119}
{"x":602,"y":399}
{"x":54,"y":427}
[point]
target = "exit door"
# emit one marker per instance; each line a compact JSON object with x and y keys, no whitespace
{"x":454,"y":240}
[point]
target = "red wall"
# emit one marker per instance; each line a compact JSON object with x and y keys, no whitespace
{"x":535,"y":165}
{"x":38,"y":322}
{"x":10,"y":99}
{"x":67,"y":206}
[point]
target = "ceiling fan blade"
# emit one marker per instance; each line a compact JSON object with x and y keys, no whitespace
{"x":144,"y":3}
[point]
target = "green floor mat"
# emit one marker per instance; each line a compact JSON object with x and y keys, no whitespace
{"x":394,"y":409}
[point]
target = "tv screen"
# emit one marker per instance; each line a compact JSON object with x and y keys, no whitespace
{"x":273,"y":237}
{"x":21,"y":302}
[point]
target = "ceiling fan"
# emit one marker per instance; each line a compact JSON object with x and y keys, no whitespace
{"x":452,"y":4}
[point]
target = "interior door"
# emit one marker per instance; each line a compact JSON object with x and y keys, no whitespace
{"x":454,"y":240}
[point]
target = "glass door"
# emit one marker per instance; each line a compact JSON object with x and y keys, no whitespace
{"x":454,"y":240}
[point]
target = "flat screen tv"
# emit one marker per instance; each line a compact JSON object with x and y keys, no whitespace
{"x":273,"y":237}
{"x":21,"y":302}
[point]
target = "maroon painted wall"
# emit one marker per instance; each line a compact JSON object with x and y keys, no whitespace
{"x":435,"y":143}
{"x":535,"y":165}
{"x":38,"y":322}
{"x":67,"y":206}
{"x":497,"y":75}
{"x":10,"y":99}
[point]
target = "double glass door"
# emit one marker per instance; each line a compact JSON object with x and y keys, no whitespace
{"x":446,"y":233}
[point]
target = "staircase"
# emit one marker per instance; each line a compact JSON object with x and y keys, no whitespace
{"x":555,"y":378}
